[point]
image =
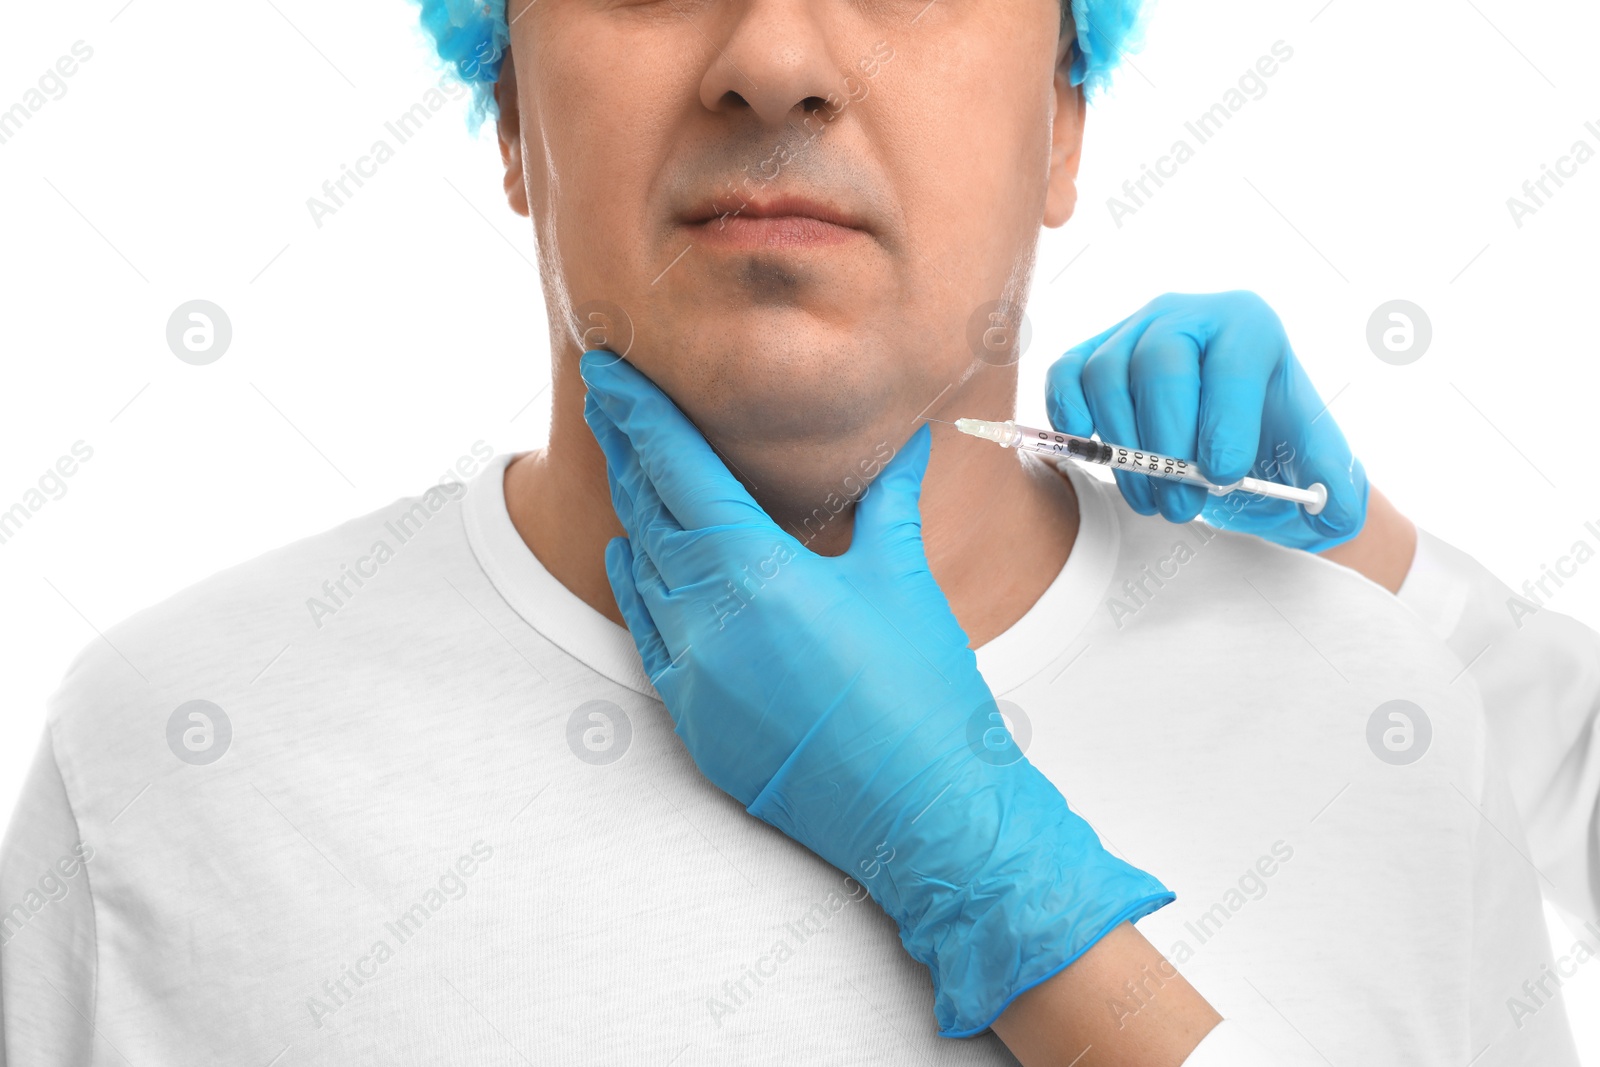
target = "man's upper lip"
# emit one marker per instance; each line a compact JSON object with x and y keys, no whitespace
{"x":775,"y":207}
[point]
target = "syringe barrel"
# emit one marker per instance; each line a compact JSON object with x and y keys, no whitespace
{"x":1135,"y":461}
{"x":1050,"y":443}
{"x":1154,"y":465}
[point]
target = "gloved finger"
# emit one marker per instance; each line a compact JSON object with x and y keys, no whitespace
{"x":680,"y":557}
{"x":1164,"y":379}
{"x":651,"y":527}
{"x":1325,"y":457}
{"x":688,"y":475}
{"x":887,"y":543}
{"x":889,"y":519}
{"x":1063,"y":397}
{"x":1105,"y":386}
{"x":1238,"y":365}
{"x":633,"y":496}
{"x":1090,"y":344}
{"x":646,"y":638}
{"x":612,"y":442}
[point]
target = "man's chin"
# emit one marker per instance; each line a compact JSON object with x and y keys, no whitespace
{"x":787,"y":388}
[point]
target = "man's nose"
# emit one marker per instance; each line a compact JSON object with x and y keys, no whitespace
{"x":775,"y":58}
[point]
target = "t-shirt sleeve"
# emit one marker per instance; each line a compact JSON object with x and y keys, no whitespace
{"x":47,"y":929}
{"x":1538,"y":673}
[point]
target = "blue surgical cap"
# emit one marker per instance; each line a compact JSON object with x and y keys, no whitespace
{"x":471,"y":36}
{"x":1107,"y":31}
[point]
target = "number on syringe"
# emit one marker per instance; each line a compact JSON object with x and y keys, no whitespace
{"x":1057,"y":443}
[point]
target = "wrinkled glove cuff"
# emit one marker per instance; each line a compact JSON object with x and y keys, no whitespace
{"x":980,"y":966}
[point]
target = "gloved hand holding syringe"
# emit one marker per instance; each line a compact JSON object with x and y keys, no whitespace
{"x":1087,"y":450}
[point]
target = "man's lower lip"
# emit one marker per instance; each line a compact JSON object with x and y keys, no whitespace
{"x":779,"y":232}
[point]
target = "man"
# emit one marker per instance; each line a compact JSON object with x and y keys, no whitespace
{"x":455,"y":824}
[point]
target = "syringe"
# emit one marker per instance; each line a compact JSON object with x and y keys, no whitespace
{"x":1153,"y":464}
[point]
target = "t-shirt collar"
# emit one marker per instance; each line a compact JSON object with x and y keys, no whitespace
{"x":1032,"y":644}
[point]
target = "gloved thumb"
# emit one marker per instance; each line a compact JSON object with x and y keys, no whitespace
{"x":889,"y":515}
{"x":1346,"y":511}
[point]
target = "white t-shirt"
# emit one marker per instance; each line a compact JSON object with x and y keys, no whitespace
{"x":441,"y":817}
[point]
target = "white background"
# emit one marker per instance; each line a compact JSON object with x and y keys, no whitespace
{"x":369,"y":354}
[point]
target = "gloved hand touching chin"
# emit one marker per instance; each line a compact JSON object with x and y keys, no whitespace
{"x":839,"y":702}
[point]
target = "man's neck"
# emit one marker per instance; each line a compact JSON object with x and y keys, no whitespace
{"x":997,"y":526}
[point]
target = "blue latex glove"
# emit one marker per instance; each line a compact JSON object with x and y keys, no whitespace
{"x":1211,"y":378}
{"x":835,"y":698}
